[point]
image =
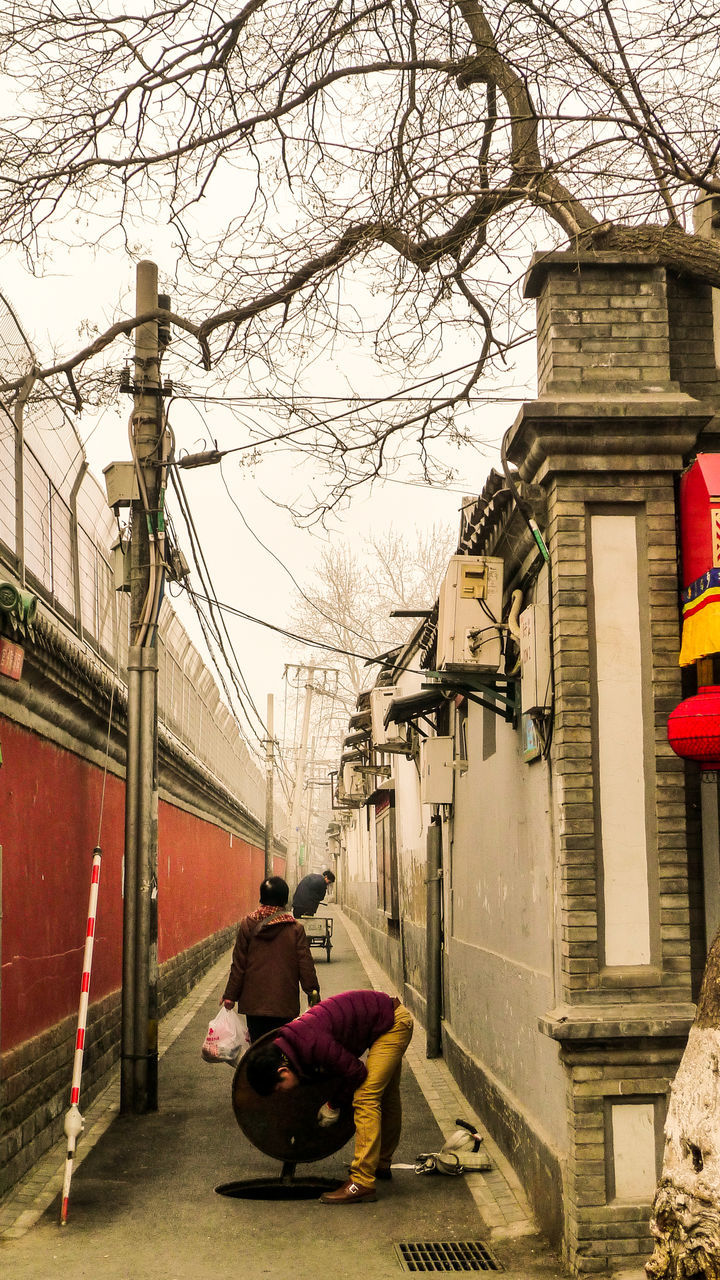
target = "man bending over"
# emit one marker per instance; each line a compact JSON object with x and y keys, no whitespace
{"x":329,"y":1041}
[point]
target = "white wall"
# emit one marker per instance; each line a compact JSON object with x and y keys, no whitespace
{"x":500,"y":907}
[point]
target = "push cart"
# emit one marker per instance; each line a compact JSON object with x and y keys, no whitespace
{"x":319,"y":931}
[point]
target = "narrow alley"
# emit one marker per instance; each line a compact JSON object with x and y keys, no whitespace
{"x":143,"y":1200}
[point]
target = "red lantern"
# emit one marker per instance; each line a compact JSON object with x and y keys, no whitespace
{"x":694,"y":728}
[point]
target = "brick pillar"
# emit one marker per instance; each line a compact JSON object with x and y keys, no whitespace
{"x":612,"y":428}
{"x":603,"y":327}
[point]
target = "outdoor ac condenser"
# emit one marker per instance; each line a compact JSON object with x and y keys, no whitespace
{"x":396,"y":734}
{"x":470,"y":607}
{"x":352,"y":783}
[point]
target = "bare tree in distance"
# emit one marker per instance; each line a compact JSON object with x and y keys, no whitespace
{"x":346,"y":605}
{"x":319,"y":163}
{"x":349,"y":600}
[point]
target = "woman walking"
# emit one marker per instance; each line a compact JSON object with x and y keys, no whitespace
{"x":271,"y":960}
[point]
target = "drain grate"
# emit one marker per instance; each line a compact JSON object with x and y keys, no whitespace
{"x":446,"y":1255}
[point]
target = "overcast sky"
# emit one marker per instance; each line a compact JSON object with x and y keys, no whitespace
{"x":53,"y":307}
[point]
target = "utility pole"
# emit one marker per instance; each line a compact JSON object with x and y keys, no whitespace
{"x":293,"y":868}
{"x":138,"y":1084}
{"x":269,"y":780}
{"x":310,"y":809}
{"x":293,"y":865}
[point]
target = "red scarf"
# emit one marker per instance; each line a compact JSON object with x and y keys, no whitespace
{"x":272,"y":915}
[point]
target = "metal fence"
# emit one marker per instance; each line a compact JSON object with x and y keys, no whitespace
{"x":56,"y":535}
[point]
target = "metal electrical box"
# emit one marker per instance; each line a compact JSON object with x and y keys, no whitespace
{"x":120,"y":560}
{"x":121,"y":484}
{"x":536,"y":690}
{"x":436,"y":771}
{"x":470,"y":606}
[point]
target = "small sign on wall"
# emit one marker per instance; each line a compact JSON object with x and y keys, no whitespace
{"x":11,"y":659}
{"x":531,"y":747}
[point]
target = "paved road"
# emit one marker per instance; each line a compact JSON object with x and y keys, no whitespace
{"x":144,"y":1206}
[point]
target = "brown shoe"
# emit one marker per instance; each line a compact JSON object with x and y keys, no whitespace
{"x":348,"y":1193}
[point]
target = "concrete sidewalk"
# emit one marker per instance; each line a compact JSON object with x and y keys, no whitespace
{"x":143,"y":1201}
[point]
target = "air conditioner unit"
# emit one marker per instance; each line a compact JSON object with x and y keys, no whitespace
{"x":353,"y":783}
{"x":470,"y":606}
{"x":436,"y":770}
{"x":395,"y":735}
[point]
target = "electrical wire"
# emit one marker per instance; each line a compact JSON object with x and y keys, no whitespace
{"x":520,"y":503}
{"x":525,"y":512}
{"x":315,"y":644}
{"x":155,"y":523}
{"x":203,"y":570}
{"x":328,"y":617}
{"x":212,"y":639}
{"x":242,"y":689}
{"x":370,"y":403}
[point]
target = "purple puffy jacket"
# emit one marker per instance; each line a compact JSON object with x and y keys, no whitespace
{"x":329,"y":1039}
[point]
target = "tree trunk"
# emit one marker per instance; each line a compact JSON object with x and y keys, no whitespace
{"x":671,"y":246}
{"x":686,"y":1212}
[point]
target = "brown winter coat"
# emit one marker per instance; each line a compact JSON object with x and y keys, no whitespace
{"x":270,"y":959}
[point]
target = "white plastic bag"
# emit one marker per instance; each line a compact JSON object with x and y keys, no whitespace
{"x":461,"y":1153}
{"x":464,"y":1145}
{"x":227,"y":1037}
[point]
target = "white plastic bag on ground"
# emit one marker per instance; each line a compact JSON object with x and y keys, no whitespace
{"x":227,"y":1037}
{"x":461,"y":1153}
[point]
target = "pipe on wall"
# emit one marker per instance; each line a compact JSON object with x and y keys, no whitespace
{"x":433,"y":939}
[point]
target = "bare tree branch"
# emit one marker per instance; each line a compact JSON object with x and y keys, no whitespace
{"x":387,"y":169}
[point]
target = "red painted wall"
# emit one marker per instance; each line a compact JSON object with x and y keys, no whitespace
{"x":49,"y":816}
{"x":206,"y":879}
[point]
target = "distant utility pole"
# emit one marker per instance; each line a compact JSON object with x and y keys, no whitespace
{"x":310,"y":806}
{"x":293,"y":865}
{"x":269,"y":781}
{"x":139,"y":1076}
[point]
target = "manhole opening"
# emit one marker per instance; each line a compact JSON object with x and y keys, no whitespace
{"x":277,"y":1189}
{"x":446,"y":1255}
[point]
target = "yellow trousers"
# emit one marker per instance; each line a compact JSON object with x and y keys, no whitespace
{"x":376,"y":1104}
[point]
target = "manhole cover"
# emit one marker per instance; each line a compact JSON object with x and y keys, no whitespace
{"x":278,"y":1188}
{"x":446,"y":1255}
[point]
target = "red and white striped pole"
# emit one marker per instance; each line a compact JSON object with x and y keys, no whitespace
{"x":74,"y":1123}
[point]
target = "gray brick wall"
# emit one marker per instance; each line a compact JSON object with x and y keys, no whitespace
{"x":692,"y":348}
{"x":604,"y":1233}
{"x":597,"y":325}
{"x":570,"y":502}
{"x":624,"y":352}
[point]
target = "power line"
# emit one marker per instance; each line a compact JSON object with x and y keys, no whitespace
{"x":206,"y":580}
{"x":292,"y":635}
{"x":328,"y":617}
{"x":369,"y":403}
{"x":266,"y":397}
